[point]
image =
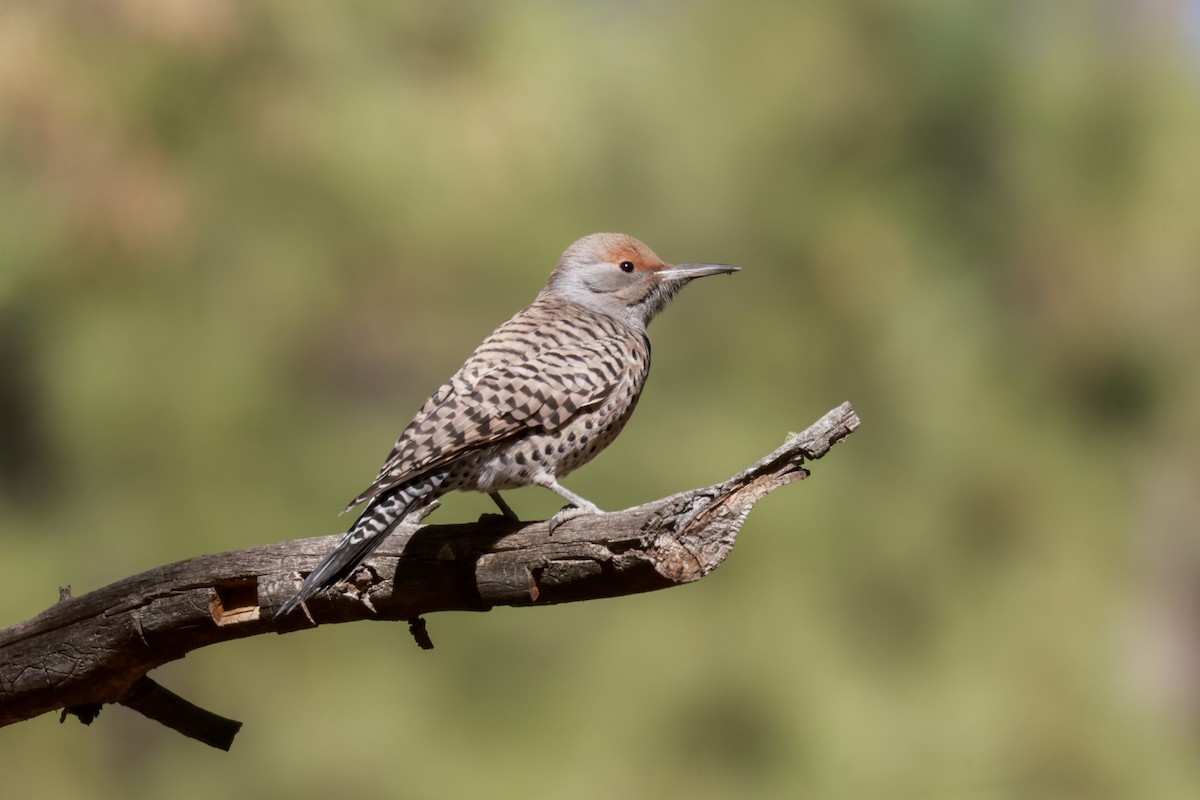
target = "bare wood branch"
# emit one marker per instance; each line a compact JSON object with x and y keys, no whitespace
{"x":97,"y":647}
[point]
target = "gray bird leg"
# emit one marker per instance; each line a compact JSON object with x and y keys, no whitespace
{"x":504,"y":507}
{"x":583,"y":504}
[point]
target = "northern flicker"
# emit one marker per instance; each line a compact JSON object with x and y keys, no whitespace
{"x":540,"y":397}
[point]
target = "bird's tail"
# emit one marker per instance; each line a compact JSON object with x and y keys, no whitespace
{"x":367,"y":533}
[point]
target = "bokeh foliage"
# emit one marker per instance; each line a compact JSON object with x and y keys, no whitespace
{"x":240,"y":243}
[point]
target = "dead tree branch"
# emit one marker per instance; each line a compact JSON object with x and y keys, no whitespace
{"x":97,"y":648}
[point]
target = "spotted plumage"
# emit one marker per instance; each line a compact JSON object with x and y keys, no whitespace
{"x":539,"y":397}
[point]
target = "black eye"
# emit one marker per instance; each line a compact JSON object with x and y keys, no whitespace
{"x":626,"y":266}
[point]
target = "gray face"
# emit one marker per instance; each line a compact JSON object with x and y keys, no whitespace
{"x":617,"y":275}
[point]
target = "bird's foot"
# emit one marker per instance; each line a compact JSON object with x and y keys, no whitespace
{"x":569,"y":513}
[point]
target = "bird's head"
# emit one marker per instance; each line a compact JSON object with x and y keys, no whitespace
{"x":617,"y":275}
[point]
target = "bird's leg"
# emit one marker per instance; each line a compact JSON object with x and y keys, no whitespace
{"x":579,"y":505}
{"x":504,"y":507}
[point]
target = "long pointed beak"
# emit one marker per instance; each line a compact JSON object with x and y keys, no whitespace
{"x":685,"y":272}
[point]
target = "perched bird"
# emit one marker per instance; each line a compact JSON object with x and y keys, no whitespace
{"x":540,"y":397}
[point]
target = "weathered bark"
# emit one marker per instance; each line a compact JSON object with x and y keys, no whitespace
{"x":97,"y":648}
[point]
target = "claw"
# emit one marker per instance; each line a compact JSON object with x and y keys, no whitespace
{"x":567,"y":513}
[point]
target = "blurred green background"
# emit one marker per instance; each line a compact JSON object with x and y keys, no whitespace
{"x":241,"y":242}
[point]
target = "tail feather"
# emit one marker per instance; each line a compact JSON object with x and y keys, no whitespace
{"x":366,"y":534}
